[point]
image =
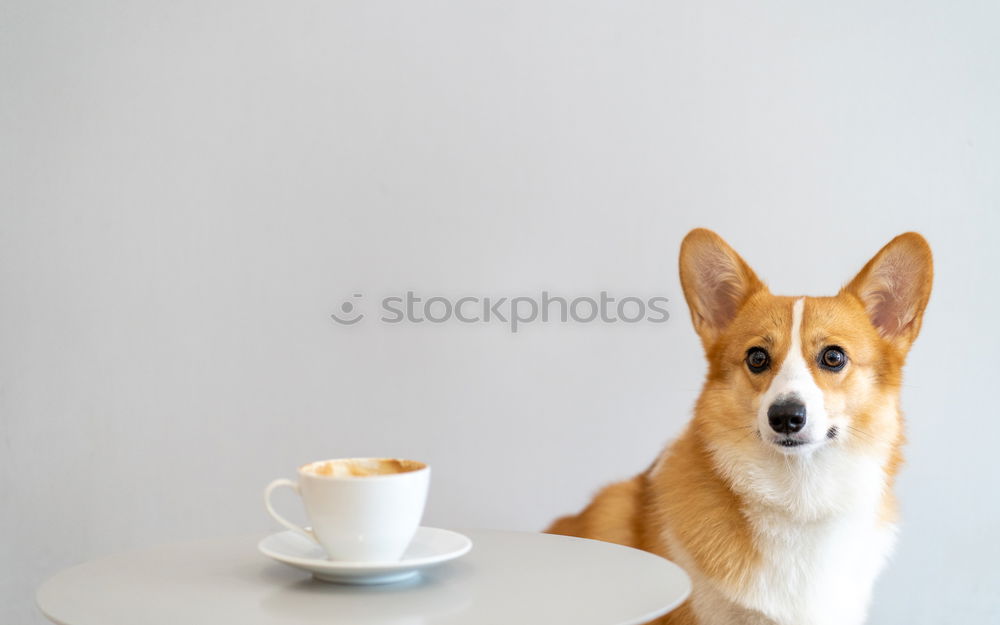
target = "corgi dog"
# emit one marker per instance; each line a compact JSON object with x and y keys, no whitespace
{"x":777,"y":498}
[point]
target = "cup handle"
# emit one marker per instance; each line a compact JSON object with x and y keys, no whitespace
{"x":277,"y":517}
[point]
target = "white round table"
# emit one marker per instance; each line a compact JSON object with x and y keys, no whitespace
{"x":509,"y":578}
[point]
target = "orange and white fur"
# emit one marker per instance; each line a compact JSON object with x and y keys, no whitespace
{"x":777,"y":498}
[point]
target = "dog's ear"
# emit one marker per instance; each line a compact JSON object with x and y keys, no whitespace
{"x":716,"y":282}
{"x":894,"y":287}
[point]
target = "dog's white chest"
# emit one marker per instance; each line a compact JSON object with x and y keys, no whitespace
{"x":821,"y":544}
{"x":819,"y":573}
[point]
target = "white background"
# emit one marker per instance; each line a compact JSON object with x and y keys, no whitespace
{"x":189,"y":189}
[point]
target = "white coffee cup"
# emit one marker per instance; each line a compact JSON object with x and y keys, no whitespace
{"x":361,"y":509}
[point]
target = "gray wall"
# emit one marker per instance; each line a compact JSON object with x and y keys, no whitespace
{"x":188,"y":189}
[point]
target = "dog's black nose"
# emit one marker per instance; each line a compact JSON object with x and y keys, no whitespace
{"x":787,"y":416}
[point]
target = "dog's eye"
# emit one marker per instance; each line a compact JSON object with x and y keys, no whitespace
{"x":833,"y":358}
{"x":758,"y":359}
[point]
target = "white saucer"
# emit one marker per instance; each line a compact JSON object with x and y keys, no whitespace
{"x":430,"y":546}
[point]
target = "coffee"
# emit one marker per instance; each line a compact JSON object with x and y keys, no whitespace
{"x":360,"y":509}
{"x":361,"y":467}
